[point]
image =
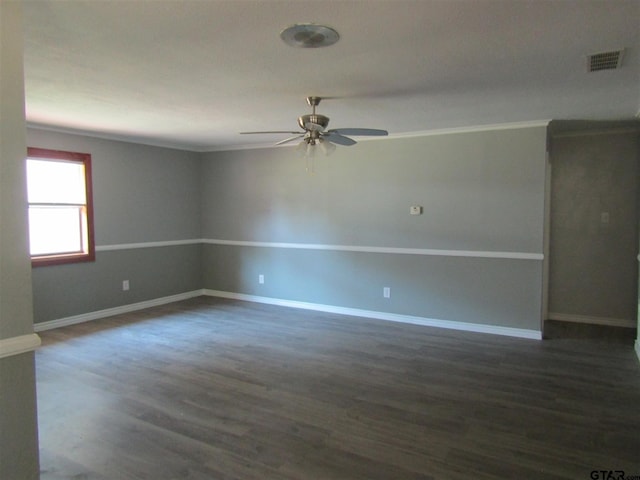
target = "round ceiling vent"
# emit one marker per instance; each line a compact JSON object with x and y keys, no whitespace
{"x":309,"y":35}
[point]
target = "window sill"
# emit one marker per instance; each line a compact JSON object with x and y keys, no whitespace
{"x":62,"y":259}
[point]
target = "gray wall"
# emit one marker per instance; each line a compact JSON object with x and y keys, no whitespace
{"x":18,"y":428}
{"x":593,"y":265}
{"x":141,"y":194}
{"x":481,"y":191}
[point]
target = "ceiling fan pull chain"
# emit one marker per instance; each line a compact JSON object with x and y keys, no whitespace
{"x":310,"y":164}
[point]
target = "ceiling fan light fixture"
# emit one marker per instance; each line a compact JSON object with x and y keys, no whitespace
{"x":301,"y":148}
{"x":326,"y":146}
{"x":309,"y":35}
{"x":311,"y":150}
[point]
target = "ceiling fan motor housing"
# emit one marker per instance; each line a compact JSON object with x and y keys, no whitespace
{"x":313,"y":121}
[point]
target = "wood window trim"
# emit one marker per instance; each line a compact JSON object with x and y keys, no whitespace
{"x":85,"y":158}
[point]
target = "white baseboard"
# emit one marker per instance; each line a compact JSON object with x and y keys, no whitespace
{"x":17,"y":345}
{"x":393,"y":317}
{"x":611,"y":322}
{"x":356,"y":312}
{"x":109,"y":312}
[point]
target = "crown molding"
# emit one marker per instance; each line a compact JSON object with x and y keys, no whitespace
{"x":258,"y":146}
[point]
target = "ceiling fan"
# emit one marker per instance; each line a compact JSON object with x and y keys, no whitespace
{"x":314,"y":132}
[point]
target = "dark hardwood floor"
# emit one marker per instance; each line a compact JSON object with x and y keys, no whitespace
{"x":218,"y":389}
{"x":554,"y":329}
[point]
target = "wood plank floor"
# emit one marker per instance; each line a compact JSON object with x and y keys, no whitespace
{"x":219,"y":389}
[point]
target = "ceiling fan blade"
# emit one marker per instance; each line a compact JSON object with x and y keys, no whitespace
{"x":274,"y":131}
{"x":290,"y":139}
{"x":372,"y":132}
{"x":339,"y":139}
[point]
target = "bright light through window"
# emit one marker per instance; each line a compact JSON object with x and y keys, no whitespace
{"x":60,"y":214}
{"x":55,"y":181}
{"x":56,"y":230}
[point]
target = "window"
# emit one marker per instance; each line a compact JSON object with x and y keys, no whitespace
{"x":60,"y":207}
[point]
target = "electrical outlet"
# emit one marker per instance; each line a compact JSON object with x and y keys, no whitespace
{"x":125,"y":285}
{"x":260,"y":278}
{"x":386,"y":292}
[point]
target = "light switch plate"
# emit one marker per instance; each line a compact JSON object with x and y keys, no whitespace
{"x":415,"y":210}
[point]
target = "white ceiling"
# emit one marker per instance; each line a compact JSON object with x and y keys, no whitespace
{"x":193,"y":74}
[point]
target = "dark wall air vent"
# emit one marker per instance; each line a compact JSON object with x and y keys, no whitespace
{"x":604,"y":61}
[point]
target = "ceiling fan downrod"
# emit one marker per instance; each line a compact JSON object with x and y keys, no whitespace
{"x":313,"y":103}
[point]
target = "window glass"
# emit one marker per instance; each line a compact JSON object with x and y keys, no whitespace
{"x":55,"y":181}
{"x":56,"y":230}
{"x":60,"y":207}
